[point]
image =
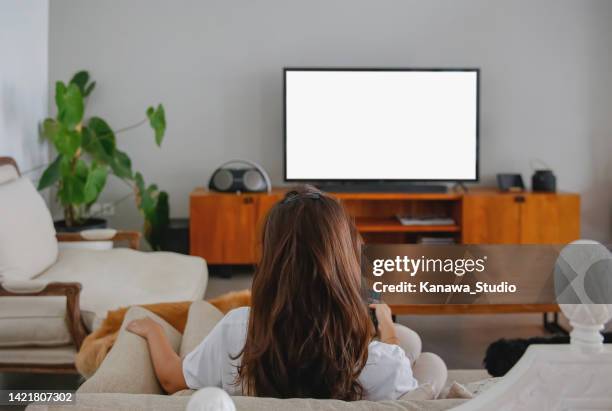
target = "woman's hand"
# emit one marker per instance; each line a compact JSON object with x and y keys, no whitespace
{"x":167,"y":364}
{"x":383,"y":313}
{"x":143,"y":327}
{"x":386,"y":328}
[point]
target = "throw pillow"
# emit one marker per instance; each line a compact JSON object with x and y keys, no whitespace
{"x":128,"y":368}
{"x":27,"y":237}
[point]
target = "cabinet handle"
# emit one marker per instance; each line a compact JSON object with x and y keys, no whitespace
{"x":519,"y":199}
{"x":247,"y":200}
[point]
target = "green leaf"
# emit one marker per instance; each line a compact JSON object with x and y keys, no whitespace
{"x":65,"y":166}
{"x":100,"y":143}
{"x":74,"y":177}
{"x":87,"y":138}
{"x":51,"y":175}
{"x":92,"y":146}
{"x":50,"y":128}
{"x":144,"y":201}
{"x":157,"y":120}
{"x":60,"y":91}
{"x":155,"y":208}
{"x":81,"y":170}
{"x":157,"y":221}
{"x":80,"y":79}
{"x":121,"y":165}
{"x":72,"y":191}
{"x":104,"y":135}
{"x":96,"y":179}
{"x":89,"y":89}
{"x":101,"y":128}
{"x":67,"y":142}
{"x":70,"y":105}
{"x":139,"y":181}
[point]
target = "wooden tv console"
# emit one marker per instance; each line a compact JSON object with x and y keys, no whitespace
{"x":224,"y":228}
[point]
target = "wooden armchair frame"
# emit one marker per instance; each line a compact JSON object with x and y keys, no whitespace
{"x":70,"y":290}
{"x":9,"y":161}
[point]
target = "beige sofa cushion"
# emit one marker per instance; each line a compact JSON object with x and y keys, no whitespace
{"x":130,"y":355}
{"x":422,"y":392}
{"x":127,"y":368}
{"x":110,"y":279}
{"x":201,"y":319}
{"x":8,"y":173}
{"x":138,"y":402}
{"x":463,"y":376}
{"x":27,"y":237}
{"x":33,"y":321}
{"x":63,"y":355}
{"x":122,"y":277}
{"x":298,"y":404}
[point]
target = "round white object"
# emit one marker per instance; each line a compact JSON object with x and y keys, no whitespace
{"x":211,"y":399}
{"x":98,"y":234}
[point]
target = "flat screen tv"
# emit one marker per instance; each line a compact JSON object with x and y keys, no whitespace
{"x":347,"y":124}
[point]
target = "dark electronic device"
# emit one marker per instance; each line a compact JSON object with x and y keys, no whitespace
{"x":544,"y":181}
{"x":373,"y":318}
{"x":374,"y":298}
{"x":176,"y":236}
{"x":510,"y":182}
{"x":252,"y":179}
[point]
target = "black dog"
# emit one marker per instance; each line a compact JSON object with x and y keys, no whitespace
{"x":504,"y":353}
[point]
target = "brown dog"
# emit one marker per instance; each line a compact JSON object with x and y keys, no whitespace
{"x":97,"y":344}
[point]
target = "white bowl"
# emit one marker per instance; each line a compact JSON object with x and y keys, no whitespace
{"x":98,"y":234}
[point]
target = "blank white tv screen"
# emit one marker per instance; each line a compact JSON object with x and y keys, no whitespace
{"x":381,"y":124}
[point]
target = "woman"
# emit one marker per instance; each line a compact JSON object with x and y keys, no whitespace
{"x":308,"y":332}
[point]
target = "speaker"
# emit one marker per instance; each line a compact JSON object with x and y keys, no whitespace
{"x":544,"y":181}
{"x":250,"y":179}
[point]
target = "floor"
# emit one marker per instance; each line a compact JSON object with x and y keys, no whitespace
{"x":460,"y":340}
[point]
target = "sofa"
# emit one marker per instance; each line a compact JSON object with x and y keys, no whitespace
{"x":52,"y":296}
{"x":126,"y":380}
{"x":548,"y":377}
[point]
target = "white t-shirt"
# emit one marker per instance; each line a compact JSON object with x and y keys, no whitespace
{"x":387,"y":374}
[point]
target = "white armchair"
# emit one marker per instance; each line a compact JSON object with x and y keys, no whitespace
{"x":50,"y":297}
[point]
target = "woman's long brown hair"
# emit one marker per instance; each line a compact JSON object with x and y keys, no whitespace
{"x":309,"y":328}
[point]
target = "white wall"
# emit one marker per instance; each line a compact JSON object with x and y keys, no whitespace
{"x":24,"y":32}
{"x":216,"y":65}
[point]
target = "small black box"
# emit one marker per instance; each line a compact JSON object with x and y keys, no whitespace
{"x":510,"y":182}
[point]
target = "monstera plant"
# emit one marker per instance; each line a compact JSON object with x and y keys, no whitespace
{"x":87,"y":152}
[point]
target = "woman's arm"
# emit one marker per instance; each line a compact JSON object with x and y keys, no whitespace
{"x":167,"y":364}
{"x":386,"y":329}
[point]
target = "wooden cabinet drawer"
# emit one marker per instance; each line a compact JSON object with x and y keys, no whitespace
{"x":550,"y":219}
{"x":520,"y":218}
{"x":225,"y":228}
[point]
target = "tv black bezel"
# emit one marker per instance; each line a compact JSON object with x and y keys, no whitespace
{"x":305,"y":180}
